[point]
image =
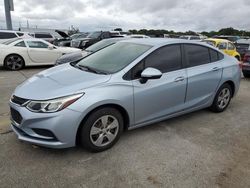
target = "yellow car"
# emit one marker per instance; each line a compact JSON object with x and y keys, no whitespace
{"x":225,"y":45}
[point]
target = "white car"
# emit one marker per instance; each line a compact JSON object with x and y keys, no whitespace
{"x":17,"y":53}
{"x":6,"y":35}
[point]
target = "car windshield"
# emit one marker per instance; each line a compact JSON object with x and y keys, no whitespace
{"x":10,"y":41}
{"x":102,"y":44}
{"x":114,"y":58}
{"x":94,"y":35}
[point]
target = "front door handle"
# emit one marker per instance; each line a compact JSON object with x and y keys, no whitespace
{"x":215,"y":68}
{"x":179,"y":79}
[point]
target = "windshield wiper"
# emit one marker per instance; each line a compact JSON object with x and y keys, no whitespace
{"x":90,"y":69}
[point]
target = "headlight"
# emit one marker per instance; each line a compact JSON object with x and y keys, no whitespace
{"x":53,"y":105}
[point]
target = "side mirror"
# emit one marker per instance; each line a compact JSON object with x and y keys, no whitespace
{"x":150,"y":73}
{"x":50,"y":47}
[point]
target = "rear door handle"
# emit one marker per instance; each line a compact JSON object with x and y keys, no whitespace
{"x":215,"y":68}
{"x":179,"y":79}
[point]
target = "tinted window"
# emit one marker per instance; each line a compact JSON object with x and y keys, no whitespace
{"x":165,"y":59}
{"x":213,"y":55}
{"x":37,"y":44}
{"x":40,"y":35}
{"x":21,"y":44}
{"x":221,"y":56}
{"x":4,"y":35}
{"x":197,"y":55}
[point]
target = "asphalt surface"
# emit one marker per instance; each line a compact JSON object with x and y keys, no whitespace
{"x":201,"y":149}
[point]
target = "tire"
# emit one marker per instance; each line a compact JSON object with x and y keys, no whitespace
{"x":14,"y":62}
{"x":222,"y":98}
{"x":97,"y":134}
{"x":246,"y":75}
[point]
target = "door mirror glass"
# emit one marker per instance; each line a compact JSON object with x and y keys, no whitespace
{"x":50,"y":47}
{"x":150,"y":73}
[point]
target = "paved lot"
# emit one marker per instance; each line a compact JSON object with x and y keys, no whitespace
{"x":201,"y":149}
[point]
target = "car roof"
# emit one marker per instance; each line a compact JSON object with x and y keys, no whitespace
{"x":218,"y":40}
{"x":162,"y":41}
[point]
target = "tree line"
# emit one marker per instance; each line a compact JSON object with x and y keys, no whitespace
{"x":161,"y":32}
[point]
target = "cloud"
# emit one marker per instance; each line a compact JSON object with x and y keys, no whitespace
{"x":180,"y":15}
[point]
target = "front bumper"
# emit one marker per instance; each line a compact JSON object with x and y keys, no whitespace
{"x":56,"y":130}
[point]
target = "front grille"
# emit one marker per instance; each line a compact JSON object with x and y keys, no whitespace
{"x":16,"y":116}
{"x":18,"y":100}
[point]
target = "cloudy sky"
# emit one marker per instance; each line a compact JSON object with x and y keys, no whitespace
{"x":89,"y":15}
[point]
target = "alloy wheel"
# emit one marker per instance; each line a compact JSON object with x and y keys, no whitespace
{"x":224,"y":98}
{"x":14,"y":62}
{"x":104,"y":130}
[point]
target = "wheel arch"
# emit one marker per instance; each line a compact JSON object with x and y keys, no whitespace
{"x":121,"y":109}
{"x":232,"y":84}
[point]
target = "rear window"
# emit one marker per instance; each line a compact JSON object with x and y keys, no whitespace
{"x":43,"y":35}
{"x":6,"y":35}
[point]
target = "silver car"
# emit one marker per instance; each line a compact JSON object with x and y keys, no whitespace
{"x":127,"y":85}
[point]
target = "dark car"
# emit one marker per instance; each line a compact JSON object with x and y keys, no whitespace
{"x":66,"y":39}
{"x":246,"y":65}
{"x":75,"y":56}
{"x":93,"y":38}
{"x":242,"y":46}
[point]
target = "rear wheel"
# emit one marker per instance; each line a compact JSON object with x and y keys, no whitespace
{"x":14,"y":62}
{"x":222,"y":98}
{"x":102,"y":129}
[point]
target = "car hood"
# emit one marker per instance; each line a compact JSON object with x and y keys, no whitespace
{"x":66,"y":50}
{"x":57,"y":82}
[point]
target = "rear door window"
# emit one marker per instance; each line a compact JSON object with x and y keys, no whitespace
{"x":197,"y":55}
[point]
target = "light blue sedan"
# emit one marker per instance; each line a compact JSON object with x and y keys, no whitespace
{"x":130,"y":84}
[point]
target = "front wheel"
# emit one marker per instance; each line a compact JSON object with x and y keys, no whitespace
{"x":222,"y":98}
{"x":14,"y":62}
{"x":102,"y":129}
